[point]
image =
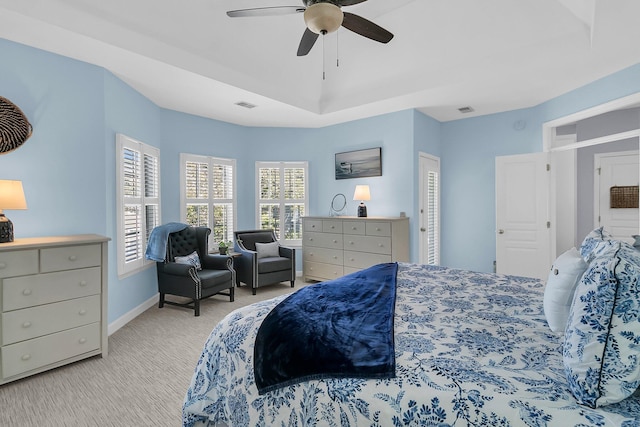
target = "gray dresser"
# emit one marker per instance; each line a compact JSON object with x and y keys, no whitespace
{"x":53,"y":300}
{"x":335,"y":246}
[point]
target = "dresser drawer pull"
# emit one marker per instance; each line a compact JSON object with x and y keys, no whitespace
{"x":335,"y":241}
{"x":26,"y":357}
{"x":3,"y":265}
{"x":378,"y":229}
{"x":82,"y":340}
{"x":335,"y":257}
{"x":26,"y":292}
{"x":26,"y":324}
{"x":83,"y":283}
{"x":351,"y":243}
{"x":333,"y":226}
{"x":311,"y":239}
{"x":380,"y":245}
{"x":72,"y":258}
{"x":354,"y":228}
{"x":313,"y":226}
{"x":82,"y":312}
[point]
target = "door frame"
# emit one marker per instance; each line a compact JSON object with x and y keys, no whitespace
{"x":548,"y":139}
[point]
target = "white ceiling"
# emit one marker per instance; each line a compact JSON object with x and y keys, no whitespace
{"x":492,"y":55}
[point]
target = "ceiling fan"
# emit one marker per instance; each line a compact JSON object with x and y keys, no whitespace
{"x":322,"y":17}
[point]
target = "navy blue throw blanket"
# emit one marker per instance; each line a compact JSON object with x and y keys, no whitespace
{"x":334,"y":329}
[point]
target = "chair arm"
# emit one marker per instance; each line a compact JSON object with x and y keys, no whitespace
{"x":177,"y":269}
{"x":216,"y":262}
{"x":287,"y":252}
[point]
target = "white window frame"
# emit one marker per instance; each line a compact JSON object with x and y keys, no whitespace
{"x":281,"y":200}
{"x":210,"y":201}
{"x":141,"y":201}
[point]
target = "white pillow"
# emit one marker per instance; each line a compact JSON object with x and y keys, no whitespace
{"x":266,"y":250}
{"x":564,"y":276}
{"x":192,"y":259}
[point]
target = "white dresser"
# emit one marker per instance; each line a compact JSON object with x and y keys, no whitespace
{"x":335,"y":246}
{"x":53,"y":296}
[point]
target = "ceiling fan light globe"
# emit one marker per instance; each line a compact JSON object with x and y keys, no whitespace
{"x":323,"y":18}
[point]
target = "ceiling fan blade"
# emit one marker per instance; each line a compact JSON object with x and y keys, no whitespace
{"x":308,"y":40}
{"x":265,"y":11}
{"x":366,"y":28}
{"x":349,"y":2}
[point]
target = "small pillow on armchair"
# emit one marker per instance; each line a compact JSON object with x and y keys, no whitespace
{"x":266,"y":250}
{"x":192,"y":259}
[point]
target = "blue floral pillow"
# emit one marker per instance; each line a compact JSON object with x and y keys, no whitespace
{"x":192,"y":259}
{"x":601,"y":350}
{"x":591,"y":240}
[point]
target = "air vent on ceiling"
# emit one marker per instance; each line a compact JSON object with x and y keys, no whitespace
{"x":465,"y":110}
{"x":245,"y":104}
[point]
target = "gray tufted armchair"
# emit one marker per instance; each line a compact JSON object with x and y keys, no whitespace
{"x":185,"y":280}
{"x":258,"y":271}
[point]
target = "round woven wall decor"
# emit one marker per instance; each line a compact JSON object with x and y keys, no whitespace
{"x":15,"y":129}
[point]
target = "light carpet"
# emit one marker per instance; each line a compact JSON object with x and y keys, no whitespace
{"x":143,"y":380}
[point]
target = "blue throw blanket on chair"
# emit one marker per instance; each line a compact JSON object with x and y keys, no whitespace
{"x":157,"y":246}
{"x":339,"y":328}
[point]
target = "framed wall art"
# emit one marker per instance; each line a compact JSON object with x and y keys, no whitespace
{"x":359,"y":164}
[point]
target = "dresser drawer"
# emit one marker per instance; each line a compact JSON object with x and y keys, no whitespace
{"x":323,"y":240}
{"x":39,"y":352}
{"x":70,"y":257}
{"x":313,"y":225}
{"x":27,"y":291}
{"x":322,"y":271}
{"x":361,"y":260}
{"x":354,"y":227}
{"x":20,"y":325}
{"x":332,"y":226}
{"x":18,"y":263}
{"x":324,"y":255}
{"x":378,"y":229}
{"x":376,"y":245}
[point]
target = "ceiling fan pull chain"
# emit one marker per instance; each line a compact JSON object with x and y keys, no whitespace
{"x":337,"y":49}
{"x":323,"y":55}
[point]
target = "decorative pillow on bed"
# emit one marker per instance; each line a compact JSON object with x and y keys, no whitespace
{"x":636,"y":244}
{"x":565,"y":274}
{"x":266,"y":250}
{"x":591,"y":240}
{"x":192,"y":259}
{"x":601,"y":348}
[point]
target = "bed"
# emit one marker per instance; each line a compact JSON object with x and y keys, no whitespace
{"x":471,"y":349}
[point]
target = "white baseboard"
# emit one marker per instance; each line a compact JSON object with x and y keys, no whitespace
{"x":129,"y":316}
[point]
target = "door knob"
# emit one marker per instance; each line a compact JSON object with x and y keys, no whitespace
{"x":500,"y":231}
{"x":423,"y":229}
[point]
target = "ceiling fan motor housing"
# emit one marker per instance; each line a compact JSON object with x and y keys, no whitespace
{"x":323,"y":17}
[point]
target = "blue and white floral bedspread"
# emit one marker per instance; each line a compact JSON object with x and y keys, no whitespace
{"x":472,"y":349}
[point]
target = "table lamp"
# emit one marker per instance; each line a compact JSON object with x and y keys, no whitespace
{"x":362,"y":193}
{"x":11,"y":197}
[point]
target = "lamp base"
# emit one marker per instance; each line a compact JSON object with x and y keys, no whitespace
{"x":6,"y":229}
{"x":362,"y":210}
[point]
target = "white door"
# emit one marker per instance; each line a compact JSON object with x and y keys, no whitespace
{"x":616,"y":170}
{"x":429,"y":209}
{"x":522,"y":227}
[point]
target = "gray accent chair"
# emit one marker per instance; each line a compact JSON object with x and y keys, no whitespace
{"x":217,"y":274}
{"x":257,"y":272}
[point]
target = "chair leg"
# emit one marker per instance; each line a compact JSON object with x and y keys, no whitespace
{"x":254,"y":290}
{"x":232,"y":294}
{"x":161,"y":301}
{"x":293,"y":283}
{"x":196,"y":307}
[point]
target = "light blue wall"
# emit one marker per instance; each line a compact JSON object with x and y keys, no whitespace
{"x":68,"y":166}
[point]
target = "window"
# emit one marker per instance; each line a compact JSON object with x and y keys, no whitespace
{"x":138,"y":191}
{"x":208,"y":195}
{"x":282,"y":198}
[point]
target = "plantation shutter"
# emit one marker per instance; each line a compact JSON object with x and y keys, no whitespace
{"x":433,"y":225}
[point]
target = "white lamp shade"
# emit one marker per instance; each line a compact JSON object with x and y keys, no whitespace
{"x":362,"y":193}
{"x":12,"y":195}
{"x":323,"y":17}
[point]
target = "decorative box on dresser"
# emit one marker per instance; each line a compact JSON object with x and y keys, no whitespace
{"x":53,"y":298}
{"x":335,"y":246}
